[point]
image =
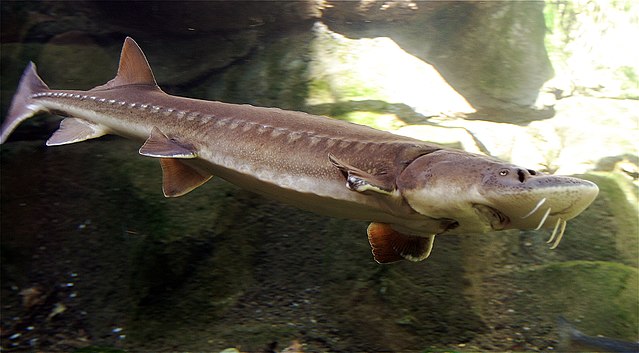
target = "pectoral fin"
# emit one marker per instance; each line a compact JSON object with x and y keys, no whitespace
{"x":361,"y":181}
{"x":178,"y":178}
{"x":74,"y":130}
{"x":159,"y":145}
{"x":389,"y":245}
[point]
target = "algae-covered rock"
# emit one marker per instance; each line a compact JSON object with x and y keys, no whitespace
{"x":525,"y":302}
{"x":492,"y":53}
{"x":323,"y":72}
{"x":99,"y":349}
{"x":343,"y":69}
{"x":166,"y":18}
{"x":621,"y":200}
{"x":67,"y":58}
{"x":276,"y":75}
{"x":138,"y":261}
{"x":601,"y":295}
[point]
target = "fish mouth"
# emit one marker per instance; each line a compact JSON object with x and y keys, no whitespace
{"x":497,"y":219}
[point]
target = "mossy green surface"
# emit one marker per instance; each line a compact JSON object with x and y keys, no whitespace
{"x":270,"y":76}
{"x":601,"y":295}
{"x":99,"y":349}
{"x":620,"y":197}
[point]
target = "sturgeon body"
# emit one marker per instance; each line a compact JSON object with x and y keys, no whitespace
{"x":409,"y":189}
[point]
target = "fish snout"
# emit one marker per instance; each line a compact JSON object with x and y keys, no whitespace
{"x":567,"y":196}
{"x":540,"y":200}
{"x":553,"y":198}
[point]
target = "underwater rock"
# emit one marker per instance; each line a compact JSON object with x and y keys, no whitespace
{"x":525,"y":301}
{"x":66,"y":59}
{"x":275,"y":75}
{"x":492,"y":52}
{"x":603,"y":295}
{"x":179,"y":18}
{"x":230,"y":350}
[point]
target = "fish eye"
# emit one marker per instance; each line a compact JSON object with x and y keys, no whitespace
{"x":503,"y":172}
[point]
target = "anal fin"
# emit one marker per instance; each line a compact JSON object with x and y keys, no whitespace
{"x":74,"y":130}
{"x":178,"y":178}
{"x":389,"y":245}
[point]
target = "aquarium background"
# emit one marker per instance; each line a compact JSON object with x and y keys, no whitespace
{"x":94,"y":258}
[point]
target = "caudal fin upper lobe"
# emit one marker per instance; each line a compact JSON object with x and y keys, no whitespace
{"x":23,"y":106}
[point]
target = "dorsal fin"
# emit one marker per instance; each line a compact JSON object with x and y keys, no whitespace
{"x":134,"y":69}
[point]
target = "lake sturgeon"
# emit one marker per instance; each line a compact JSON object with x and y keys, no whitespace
{"x":410,"y":190}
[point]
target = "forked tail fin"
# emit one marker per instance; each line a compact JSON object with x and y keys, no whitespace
{"x":23,"y":105}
